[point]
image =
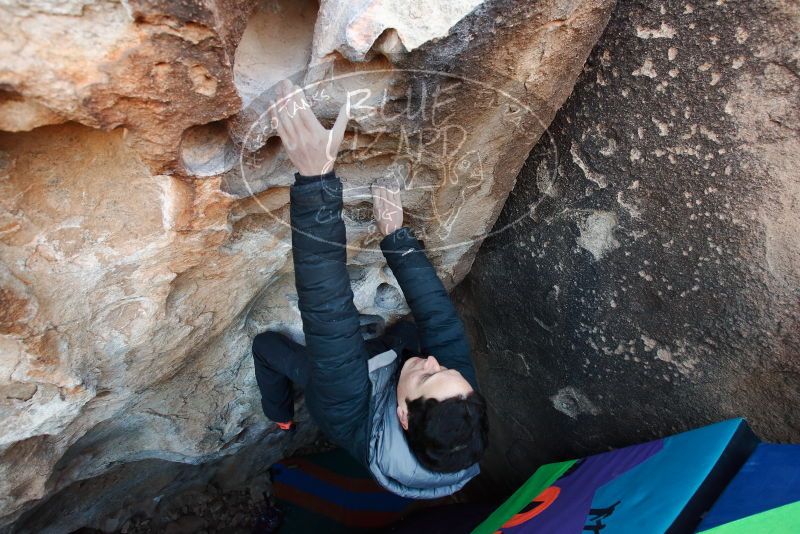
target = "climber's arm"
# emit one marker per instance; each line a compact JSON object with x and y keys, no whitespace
{"x":339,"y":389}
{"x":330,"y":319}
{"x":440,"y":329}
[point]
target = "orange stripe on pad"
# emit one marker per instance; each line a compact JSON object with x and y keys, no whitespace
{"x":350,"y":518}
{"x":359,"y":485}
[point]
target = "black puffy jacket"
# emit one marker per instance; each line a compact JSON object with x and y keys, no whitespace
{"x":339,"y":390}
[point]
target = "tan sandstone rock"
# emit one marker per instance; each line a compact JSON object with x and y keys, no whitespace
{"x":143,"y":221}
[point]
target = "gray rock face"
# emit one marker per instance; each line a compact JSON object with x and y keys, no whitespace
{"x":652,"y":283}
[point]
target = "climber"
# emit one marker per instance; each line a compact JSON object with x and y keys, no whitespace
{"x":406,"y":404}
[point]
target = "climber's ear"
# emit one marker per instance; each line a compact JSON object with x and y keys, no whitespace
{"x":402,"y":414}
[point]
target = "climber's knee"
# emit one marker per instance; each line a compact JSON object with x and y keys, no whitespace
{"x":407,"y":332}
{"x":267,"y":343}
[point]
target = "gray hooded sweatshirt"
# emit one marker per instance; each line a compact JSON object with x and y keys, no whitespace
{"x":390,"y":459}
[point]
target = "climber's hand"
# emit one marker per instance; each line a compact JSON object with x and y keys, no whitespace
{"x":309,"y":145}
{"x":387,"y":207}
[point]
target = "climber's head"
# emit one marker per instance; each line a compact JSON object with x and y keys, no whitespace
{"x":444,"y":418}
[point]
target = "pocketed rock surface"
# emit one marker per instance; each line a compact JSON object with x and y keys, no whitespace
{"x":652,"y":284}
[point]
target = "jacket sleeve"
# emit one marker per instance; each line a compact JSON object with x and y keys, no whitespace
{"x":339,"y":388}
{"x":440,"y":329}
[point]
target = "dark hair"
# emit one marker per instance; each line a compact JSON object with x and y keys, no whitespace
{"x":449,"y":435}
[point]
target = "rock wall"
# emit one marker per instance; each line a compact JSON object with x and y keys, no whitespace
{"x":652,"y":283}
{"x":143,"y":221}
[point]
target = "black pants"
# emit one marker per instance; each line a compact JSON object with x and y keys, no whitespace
{"x":280,"y":362}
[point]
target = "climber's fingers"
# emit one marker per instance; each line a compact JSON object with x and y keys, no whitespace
{"x":385,"y":203}
{"x":380,"y":206}
{"x":337,"y":131}
{"x":283,"y":111}
{"x":389,"y":189}
{"x":394,"y":197}
{"x":389,"y":203}
{"x":306,"y":118}
{"x":393,"y":186}
{"x":299,"y":112}
{"x":280,"y":127}
{"x":275,"y":122}
{"x":310,"y":146}
{"x":377,"y":197}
